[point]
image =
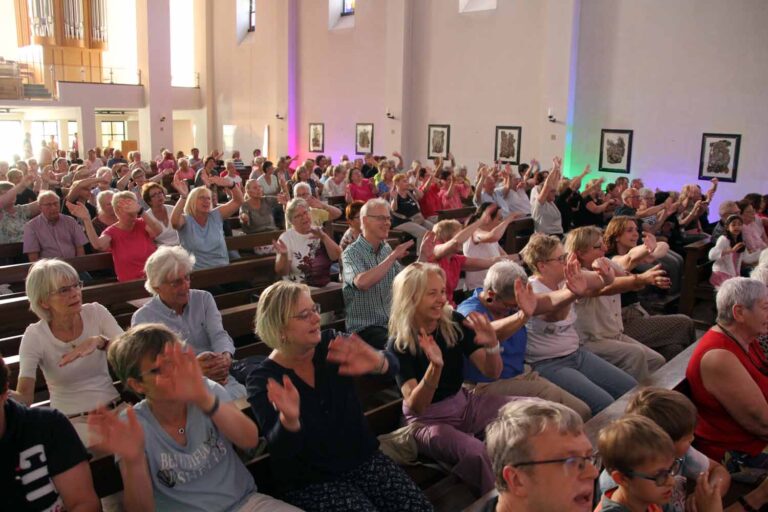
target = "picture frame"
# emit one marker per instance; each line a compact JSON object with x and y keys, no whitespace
{"x":719,"y":156}
{"x":438,"y":140}
{"x":316,"y":137}
{"x":363,"y":138}
{"x":615,"y":151}
{"x":507,"y":148}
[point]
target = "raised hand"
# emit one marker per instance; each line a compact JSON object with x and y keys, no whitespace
{"x":738,"y":247}
{"x":316,"y":232}
{"x":280,"y":247}
{"x":487,"y":216}
{"x":655,"y":276}
{"x":353,"y":355}
{"x":124,"y":438}
{"x":430,"y":348}
{"x":181,"y":186}
{"x":525,"y":297}
{"x":85,"y":348}
{"x":244,"y":219}
{"x":605,"y":270}
{"x":285,"y":400}
{"x":78,"y":210}
{"x":427,"y":249}
{"x":649,"y":241}
{"x":485,"y":335}
{"x":214,"y":366}
{"x":575,"y":280}
{"x":282,"y":198}
{"x":402,"y":249}
{"x":180,"y":377}
{"x":707,"y":497}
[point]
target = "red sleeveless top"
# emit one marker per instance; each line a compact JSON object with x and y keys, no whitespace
{"x":716,"y":430}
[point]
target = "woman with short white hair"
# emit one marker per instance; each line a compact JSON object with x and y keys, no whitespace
{"x":728,"y":377}
{"x":68,"y":343}
{"x":105,"y":215}
{"x":201,"y":226}
{"x":130,"y":239}
{"x":191,"y":314}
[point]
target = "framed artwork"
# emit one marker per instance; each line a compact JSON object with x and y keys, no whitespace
{"x":316,"y":137}
{"x":719,"y":156}
{"x":363,"y":138}
{"x":507,"y":148}
{"x":438,"y":140}
{"x":615,"y":151}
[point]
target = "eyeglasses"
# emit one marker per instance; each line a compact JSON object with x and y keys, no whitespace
{"x":176,"y":283}
{"x":307,"y":313}
{"x":662,"y":476}
{"x":573,"y":466}
{"x":562,"y":258}
{"x":66,"y":289}
{"x":380,"y":218}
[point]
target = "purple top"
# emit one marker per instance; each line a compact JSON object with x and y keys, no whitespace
{"x":53,"y":240}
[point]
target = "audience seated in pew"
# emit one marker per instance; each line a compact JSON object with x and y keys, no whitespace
{"x":319,"y":211}
{"x":191,"y":314}
{"x":155,"y":196}
{"x":305,"y":252}
{"x":175,"y":447}
{"x":105,"y":213}
{"x":13,"y":217}
{"x":359,"y":188}
{"x":755,"y":237}
{"x":598,"y":316}
{"x":541,"y":459}
{"x":43,"y":463}
{"x":256,"y":212}
{"x":554,"y":348}
{"x":369,"y":266}
{"x":483,"y":243}
{"x":51,"y":234}
{"x":200,"y":224}
{"x":322,"y":452}
{"x":68,"y":344}
{"x":352,"y":214}
{"x":130,"y":239}
{"x":675,"y":414}
{"x":546,"y":216}
{"x":730,"y":252}
{"x":728,"y":377}
{"x":430,"y":341}
{"x":405,"y":210}
{"x":508,"y":302}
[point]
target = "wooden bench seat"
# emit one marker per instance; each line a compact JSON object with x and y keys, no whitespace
{"x":696,"y":272}
{"x":456,"y":213}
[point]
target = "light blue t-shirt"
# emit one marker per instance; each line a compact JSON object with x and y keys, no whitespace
{"x":205,"y":242}
{"x":204,"y":475}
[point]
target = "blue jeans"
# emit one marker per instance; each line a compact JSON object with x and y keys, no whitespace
{"x":595,"y":381}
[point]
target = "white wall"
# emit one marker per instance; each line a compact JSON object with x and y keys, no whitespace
{"x":672,"y":71}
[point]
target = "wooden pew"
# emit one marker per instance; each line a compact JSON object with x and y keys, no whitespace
{"x":11,"y":251}
{"x":16,"y":274}
{"x":696,"y":272}
{"x":517,"y":235}
{"x":456,"y":213}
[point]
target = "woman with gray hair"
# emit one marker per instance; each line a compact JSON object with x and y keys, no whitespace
{"x":191,"y":314}
{"x":305,"y":253}
{"x":507,"y":300}
{"x":130,"y":239}
{"x":105,"y":215}
{"x":728,"y":377}
{"x":68,"y":343}
{"x":322,"y":452}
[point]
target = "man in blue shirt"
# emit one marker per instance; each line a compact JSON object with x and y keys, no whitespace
{"x":508,"y":302}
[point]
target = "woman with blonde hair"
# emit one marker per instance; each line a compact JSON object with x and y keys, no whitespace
{"x":322,"y":452}
{"x":201,"y":226}
{"x":431,"y":341}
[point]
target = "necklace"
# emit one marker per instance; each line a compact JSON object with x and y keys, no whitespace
{"x":181,"y":430}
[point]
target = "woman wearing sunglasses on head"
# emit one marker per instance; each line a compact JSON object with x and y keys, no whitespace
{"x":322,"y":452}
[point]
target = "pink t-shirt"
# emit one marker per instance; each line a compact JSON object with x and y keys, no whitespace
{"x":454,"y":200}
{"x":361,"y":192}
{"x":130,"y":250}
{"x":430,"y":202}
{"x":452,"y":266}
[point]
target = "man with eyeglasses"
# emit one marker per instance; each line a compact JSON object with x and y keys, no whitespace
{"x":51,"y":234}
{"x":542,"y":459}
{"x":369,"y":267}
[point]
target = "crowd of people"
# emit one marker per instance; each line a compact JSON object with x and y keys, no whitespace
{"x":500,"y":358}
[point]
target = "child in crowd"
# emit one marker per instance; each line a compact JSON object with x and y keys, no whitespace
{"x":676,"y":415}
{"x":730,"y":252}
{"x":640,"y":457}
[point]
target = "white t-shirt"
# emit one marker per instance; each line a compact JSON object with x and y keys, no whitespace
{"x":168,"y":236}
{"x":310,"y":263}
{"x":547,"y":340}
{"x":83,"y":384}
{"x":546,"y":218}
{"x":333,"y":189}
{"x":515,"y":202}
{"x":474,"y":279}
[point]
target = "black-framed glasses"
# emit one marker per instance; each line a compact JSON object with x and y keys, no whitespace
{"x":66,"y":289}
{"x":574,"y":465}
{"x":660,"y":478}
{"x":307,"y":313}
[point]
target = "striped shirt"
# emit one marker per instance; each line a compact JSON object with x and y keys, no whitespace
{"x":365,"y":308}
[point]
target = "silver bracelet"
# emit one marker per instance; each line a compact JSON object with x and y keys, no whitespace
{"x":494,"y":350}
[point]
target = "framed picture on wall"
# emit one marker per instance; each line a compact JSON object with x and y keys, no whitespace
{"x":719,"y":156}
{"x":507,"y":145}
{"x":316,"y":137}
{"x":363,"y":138}
{"x":438,"y":140}
{"x":615,"y":150}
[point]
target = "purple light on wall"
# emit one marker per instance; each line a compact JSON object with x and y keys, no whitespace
{"x":292,"y":115}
